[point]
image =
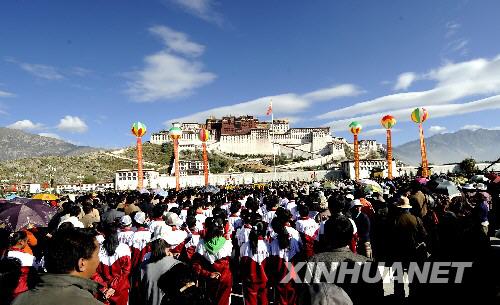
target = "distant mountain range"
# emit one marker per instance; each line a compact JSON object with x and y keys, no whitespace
{"x":480,"y":144}
{"x":17,"y":144}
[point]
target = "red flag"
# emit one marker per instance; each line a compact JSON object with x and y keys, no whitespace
{"x":270,"y":108}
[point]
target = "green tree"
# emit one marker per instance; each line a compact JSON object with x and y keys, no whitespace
{"x":468,"y":166}
{"x":89,"y":180}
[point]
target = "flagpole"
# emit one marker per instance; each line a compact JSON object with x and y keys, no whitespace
{"x":272,"y":140}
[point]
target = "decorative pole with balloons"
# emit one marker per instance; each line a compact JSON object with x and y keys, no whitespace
{"x":175,"y":134}
{"x":204,"y":136}
{"x":139,"y":130}
{"x":355,"y":128}
{"x":419,"y":115}
{"x":388,"y":122}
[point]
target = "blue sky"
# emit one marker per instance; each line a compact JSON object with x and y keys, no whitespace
{"x":84,"y":71}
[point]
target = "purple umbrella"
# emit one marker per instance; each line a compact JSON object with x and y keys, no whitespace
{"x":22,"y":200}
{"x":16,"y":216}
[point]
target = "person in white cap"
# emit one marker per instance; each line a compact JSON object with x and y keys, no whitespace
{"x":140,"y":239}
{"x":176,"y":238}
{"x":126,"y":230}
{"x":363,"y":224}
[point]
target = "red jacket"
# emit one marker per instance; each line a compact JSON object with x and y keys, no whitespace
{"x":253,"y":265}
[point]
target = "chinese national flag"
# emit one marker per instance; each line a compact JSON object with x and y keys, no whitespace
{"x":270,"y":108}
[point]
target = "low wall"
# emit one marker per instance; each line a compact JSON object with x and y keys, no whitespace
{"x":240,"y":178}
{"x":444,"y":169}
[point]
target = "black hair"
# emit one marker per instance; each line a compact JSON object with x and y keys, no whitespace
{"x":255,"y":217}
{"x":74,"y":210}
{"x":16,"y":237}
{"x":214,"y":226}
{"x":272,"y":202}
{"x":158,"y":248}
{"x":67,"y":247}
{"x":284,"y":214}
{"x":246,"y":216}
{"x":130,"y":199}
{"x":339,"y":231}
{"x":303,"y":210}
{"x":175,"y":210}
{"x":158,"y":211}
{"x":87,"y":207}
{"x":111,"y":242}
{"x":251,"y":204}
{"x":181,"y":277}
{"x":191,"y":221}
{"x":66,"y":226}
{"x":336,"y":204}
{"x":219,"y":213}
{"x":259,"y":229}
{"x":235,"y":207}
{"x":278,"y":226}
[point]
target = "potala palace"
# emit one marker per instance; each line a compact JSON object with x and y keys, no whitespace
{"x":246,"y":135}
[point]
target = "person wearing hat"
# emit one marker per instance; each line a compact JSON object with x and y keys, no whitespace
{"x":362,"y":221}
{"x":140,"y":239}
{"x":418,"y":200}
{"x":408,"y":238}
{"x":126,"y":231}
{"x":176,"y":237}
{"x":139,"y":247}
{"x":482,"y":209}
{"x":469,"y":190}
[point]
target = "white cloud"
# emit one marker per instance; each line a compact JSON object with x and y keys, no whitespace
{"x":72,"y":124}
{"x":42,"y":71}
{"x":451,"y":28}
{"x":79,"y":71}
{"x":471,"y":127}
{"x":476,"y":127}
{"x":25,"y":125}
{"x":405,"y":80}
{"x":177,"y":41}
{"x":167,"y":75}
{"x":437,"y":129}
{"x":435,"y":111}
{"x":333,"y":92}
{"x":283,"y":104}
{"x":454,"y":81}
{"x":200,"y":8}
{"x":454,"y":43}
{"x":6,"y":94}
{"x":457,"y":46}
{"x":50,"y":135}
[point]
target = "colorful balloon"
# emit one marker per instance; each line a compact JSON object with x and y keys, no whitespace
{"x":204,"y":135}
{"x":355,"y":127}
{"x":388,"y":121}
{"x":419,"y":115}
{"x":139,"y":129}
{"x":175,"y":133}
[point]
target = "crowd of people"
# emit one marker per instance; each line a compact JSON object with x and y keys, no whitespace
{"x":199,"y":247}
